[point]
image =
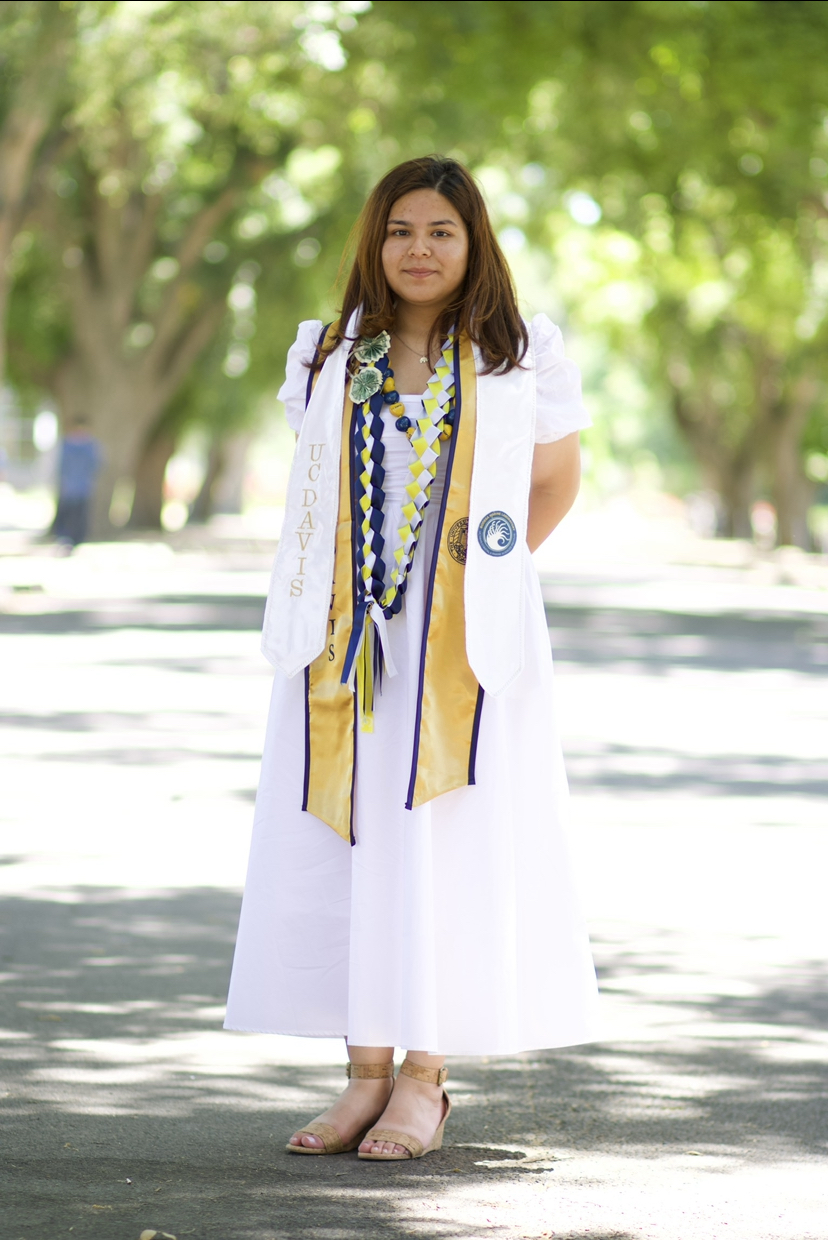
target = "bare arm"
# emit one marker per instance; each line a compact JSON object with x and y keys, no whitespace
{"x":556,"y":477}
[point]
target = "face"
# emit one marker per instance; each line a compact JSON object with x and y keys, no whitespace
{"x":426,"y":250}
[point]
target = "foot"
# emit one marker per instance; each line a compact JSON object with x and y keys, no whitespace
{"x":354,"y":1110}
{"x":414,"y":1108}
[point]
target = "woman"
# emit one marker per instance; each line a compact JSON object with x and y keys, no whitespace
{"x":409,"y":883}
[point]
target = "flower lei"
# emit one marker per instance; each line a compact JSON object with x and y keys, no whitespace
{"x":371,"y":387}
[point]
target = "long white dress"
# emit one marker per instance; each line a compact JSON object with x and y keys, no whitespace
{"x":455,"y":927}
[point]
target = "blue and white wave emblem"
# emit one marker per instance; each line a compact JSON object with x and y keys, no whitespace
{"x":496,"y":533}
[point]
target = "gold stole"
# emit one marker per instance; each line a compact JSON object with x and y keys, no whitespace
{"x":449,"y":699}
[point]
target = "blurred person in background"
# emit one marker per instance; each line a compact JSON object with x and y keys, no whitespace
{"x":409,"y":881}
{"x":80,"y":463}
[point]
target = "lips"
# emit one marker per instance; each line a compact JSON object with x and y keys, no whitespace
{"x":419,"y":271}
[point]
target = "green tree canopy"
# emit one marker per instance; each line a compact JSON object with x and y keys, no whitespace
{"x":667,"y":161}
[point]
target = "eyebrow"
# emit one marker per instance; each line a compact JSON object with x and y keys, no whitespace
{"x":432,"y":223}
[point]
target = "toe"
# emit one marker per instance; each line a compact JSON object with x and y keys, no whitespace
{"x":382,"y":1147}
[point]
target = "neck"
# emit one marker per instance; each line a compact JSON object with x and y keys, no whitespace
{"x":414,"y":323}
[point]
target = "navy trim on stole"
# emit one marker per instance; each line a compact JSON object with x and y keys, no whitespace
{"x":353,"y":459}
{"x":312,"y":367}
{"x":478,"y":711}
{"x":432,"y":573}
{"x":306,"y":784}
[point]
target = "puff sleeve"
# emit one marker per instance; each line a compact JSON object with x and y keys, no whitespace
{"x":293,"y":392}
{"x":560,"y":409}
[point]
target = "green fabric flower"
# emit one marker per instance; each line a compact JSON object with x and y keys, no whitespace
{"x":366,"y":384}
{"x":372,"y":350}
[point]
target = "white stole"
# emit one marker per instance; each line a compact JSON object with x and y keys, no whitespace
{"x":299,"y":598}
{"x":501,"y":478}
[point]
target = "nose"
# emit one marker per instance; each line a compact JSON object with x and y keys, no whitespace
{"x":419,"y":245}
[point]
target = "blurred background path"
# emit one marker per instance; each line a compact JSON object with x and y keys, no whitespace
{"x":692,"y":692}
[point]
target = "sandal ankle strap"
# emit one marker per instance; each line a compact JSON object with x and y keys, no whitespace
{"x":368,"y":1071}
{"x":432,"y":1076}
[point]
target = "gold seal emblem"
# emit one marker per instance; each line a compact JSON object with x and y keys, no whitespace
{"x":457,"y":540}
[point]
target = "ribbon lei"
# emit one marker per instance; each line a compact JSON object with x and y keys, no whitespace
{"x":368,"y":653}
{"x":377,"y":600}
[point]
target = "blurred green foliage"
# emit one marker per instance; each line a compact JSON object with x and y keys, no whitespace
{"x":657,"y":169}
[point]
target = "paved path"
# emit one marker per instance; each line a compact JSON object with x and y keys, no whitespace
{"x":694,"y":704}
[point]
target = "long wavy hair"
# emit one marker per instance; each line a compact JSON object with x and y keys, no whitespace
{"x":485,"y":306}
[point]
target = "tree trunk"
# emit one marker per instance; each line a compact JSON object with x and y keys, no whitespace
{"x":792,"y":497}
{"x":123,"y":388}
{"x":123,"y":400}
{"x":730,"y":468}
{"x":735,"y":483}
{"x":228,"y":491}
{"x":792,"y":492}
{"x":223,"y":486}
{"x":201,"y":508}
{"x":119,"y":413}
{"x":27,"y":118}
{"x":149,"y":481}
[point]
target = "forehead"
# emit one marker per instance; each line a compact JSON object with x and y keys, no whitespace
{"x":424,"y":206}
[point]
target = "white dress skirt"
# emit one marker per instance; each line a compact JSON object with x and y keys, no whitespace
{"x":455,"y":927}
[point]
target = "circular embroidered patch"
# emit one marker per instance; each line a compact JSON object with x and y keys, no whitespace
{"x":457,"y":540}
{"x":496,"y":533}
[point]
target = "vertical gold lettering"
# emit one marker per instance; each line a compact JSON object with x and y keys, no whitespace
{"x":306,"y":526}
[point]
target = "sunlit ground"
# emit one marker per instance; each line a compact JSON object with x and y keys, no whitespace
{"x":693,"y":695}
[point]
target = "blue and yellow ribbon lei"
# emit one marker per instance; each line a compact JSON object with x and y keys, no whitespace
{"x":377,"y":600}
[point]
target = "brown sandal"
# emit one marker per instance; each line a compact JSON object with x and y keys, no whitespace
{"x":433,"y":1076}
{"x":332,"y":1142}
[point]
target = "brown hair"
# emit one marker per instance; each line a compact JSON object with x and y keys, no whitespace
{"x":485,"y":306}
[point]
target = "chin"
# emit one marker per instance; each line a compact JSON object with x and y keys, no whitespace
{"x":421,"y":293}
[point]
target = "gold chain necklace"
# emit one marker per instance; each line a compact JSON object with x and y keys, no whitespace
{"x":423,"y":359}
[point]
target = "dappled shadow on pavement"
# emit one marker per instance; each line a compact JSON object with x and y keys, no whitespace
{"x":590,"y":636}
{"x":128,"y":1107}
{"x":584,"y":640}
{"x":189,"y":612}
{"x":658,"y":641}
{"x":623,"y":769}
